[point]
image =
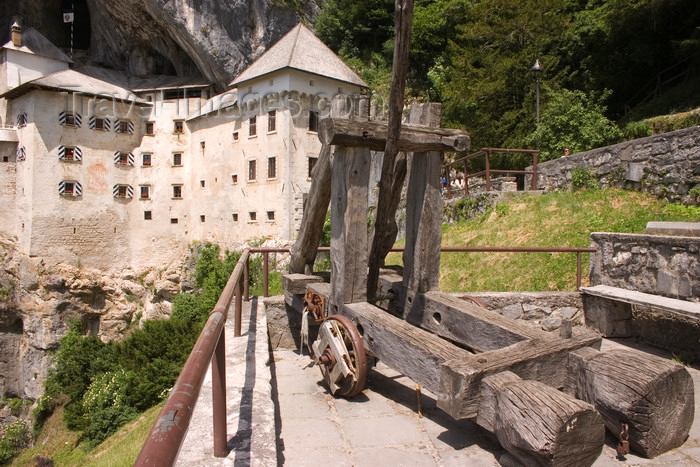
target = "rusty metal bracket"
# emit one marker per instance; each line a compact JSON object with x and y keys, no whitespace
{"x":316,"y":305}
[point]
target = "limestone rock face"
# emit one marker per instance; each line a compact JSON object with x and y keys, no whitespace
{"x":213,"y":38}
{"x":38,"y":301}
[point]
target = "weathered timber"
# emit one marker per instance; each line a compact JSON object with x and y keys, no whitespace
{"x":654,"y":396}
{"x":406,"y":348}
{"x":466,"y":323}
{"x":349,"y":191}
{"x":384,"y":219}
{"x":537,"y":359}
{"x":303,"y":252}
{"x":538,"y":424}
{"x":421,"y":258}
{"x":296,"y":283}
{"x":418,"y":138}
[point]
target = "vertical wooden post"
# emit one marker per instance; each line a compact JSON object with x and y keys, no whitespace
{"x":421,"y":257}
{"x":218,"y":394}
{"x":349,"y":191}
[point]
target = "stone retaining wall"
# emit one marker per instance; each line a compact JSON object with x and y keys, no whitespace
{"x":667,"y":165}
{"x":655,"y":264}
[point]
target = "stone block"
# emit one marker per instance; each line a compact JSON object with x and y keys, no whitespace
{"x":514,"y":311}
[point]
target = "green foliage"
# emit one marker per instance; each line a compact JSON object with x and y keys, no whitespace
{"x":575,"y":120}
{"x":16,"y":438}
{"x":639,"y":129}
{"x":582,"y":178}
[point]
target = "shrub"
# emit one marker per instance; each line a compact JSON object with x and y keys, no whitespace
{"x":16,"y":438}
{"x":582,"y":178}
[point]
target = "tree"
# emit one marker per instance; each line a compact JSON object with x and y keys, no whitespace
{"x":575,"y":120}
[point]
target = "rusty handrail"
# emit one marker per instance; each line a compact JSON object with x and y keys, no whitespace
{"x":163,"y":443}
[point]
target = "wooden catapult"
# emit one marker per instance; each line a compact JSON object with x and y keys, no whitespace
{"x":548,"y":398}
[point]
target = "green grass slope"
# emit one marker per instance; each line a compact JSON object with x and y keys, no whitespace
{"x":63,"y":446}
{"x":558,"y":219}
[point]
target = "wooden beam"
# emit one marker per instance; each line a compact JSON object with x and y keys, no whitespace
{"x":384,"y":219}
{"x":421,"y":258}
{"x":654,"y":396}
{"x":538,"y":424}
{"x":349,"y":191}
{"x":374,"y":135}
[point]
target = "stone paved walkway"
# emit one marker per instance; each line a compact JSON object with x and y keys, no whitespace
{"x":280,"y":413}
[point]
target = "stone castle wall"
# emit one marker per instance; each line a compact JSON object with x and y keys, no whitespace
{"x":654,"y":264}
{"x":667,"y":165}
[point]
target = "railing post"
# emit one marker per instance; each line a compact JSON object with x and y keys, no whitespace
{"x":578,"y":270}
{"x":466,"y":179}
{"x":246,"y":279}
{"x":218,"y":394}
{"x":238,"y":310}
{"x":265,"y":273}
{"x":488,"y":172}
{"x":534,"y":172}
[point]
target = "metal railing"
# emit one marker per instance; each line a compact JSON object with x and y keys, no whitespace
{"x":486,"y":173}
{"x":169,"y":430}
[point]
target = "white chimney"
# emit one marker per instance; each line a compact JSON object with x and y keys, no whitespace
{"x":16,"y":35}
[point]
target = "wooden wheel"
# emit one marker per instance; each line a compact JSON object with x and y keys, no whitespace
{"x":339,"y":353}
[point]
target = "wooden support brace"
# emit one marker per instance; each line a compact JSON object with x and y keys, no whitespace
{"x":538,"y":424}
{"x":373,"y":135}
{"x":349,"y":250}
{"x":654,"y":396}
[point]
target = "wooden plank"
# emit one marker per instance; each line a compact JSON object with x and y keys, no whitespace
{"x":349,"y":192}
{"x":412,"y":351}
{"x":421,"y":258}
{"x":413,"y":137}
{"x":296,"y":283}
{"x":534,"y":359}
{"x":672,"y":305}
{"x":538,"y":424}
{"x":654,"y":396}
{"x":467,"y":324}
{"x":384,"y":218}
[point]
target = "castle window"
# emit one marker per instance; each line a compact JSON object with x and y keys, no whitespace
{"x":124,"y":126}
{"x":253,"y":216}
{"x":70,"y":119}
{"x":20,"y":154}
{"x":123,"y":191}
{"x":271,"y":121}
{"x":252,"y":126}
{"x":146,"y":159}
{"x":235,"y":217}
{"x":22,"y":120}
{"x":312,"y":164}
{"x":145,"y":192}
{"x":252,"y":171}
{"x":70,"y":153}
{"x":235,"y":136}
{"x":178,"y":126}
{"x":177,"y":159}
{"x":147,"y":215}
{"x":123,"y":158}
{"x":270,"y":215}
{"x":70,"y":188}
{"x":271,"y":167}
{"x":202,"y":218}
{"x":173,"y":220}
{"x":98,"y":123}
{"x":313,"y":121}
{"x":150,"y":126}
{"x":177,"y":191}
{"x":202,"y":183}
{"x":234,"y":178}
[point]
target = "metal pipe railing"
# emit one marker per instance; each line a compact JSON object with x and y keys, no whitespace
{"x":168,"y":432}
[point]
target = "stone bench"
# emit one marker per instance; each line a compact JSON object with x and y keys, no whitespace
{"x":666,"y":322}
